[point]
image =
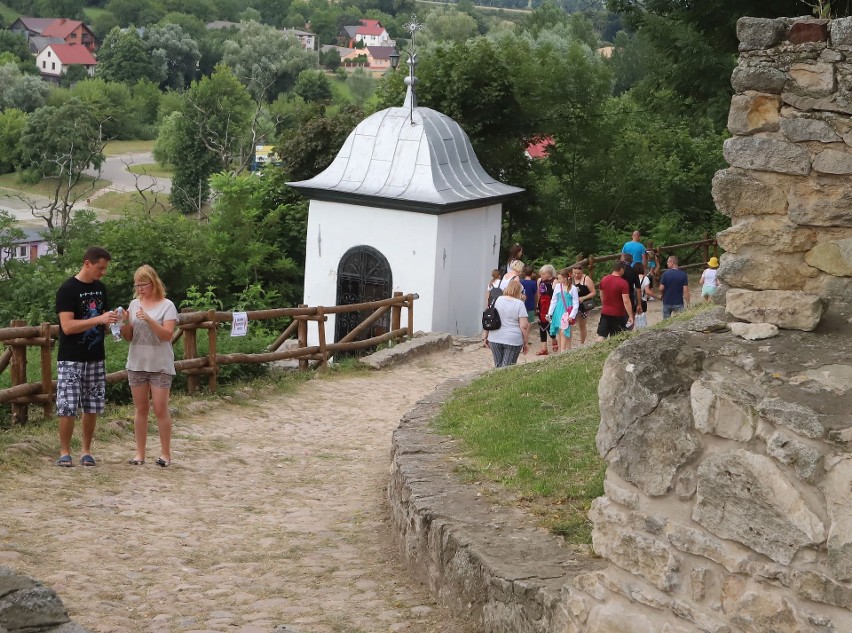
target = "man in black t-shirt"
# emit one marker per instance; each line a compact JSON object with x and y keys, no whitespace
{"x":81,"y":304}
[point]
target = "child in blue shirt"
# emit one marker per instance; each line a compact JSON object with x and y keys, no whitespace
{"x":530,"y":287}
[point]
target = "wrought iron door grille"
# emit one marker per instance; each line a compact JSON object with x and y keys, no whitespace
{"x":362,"y":275}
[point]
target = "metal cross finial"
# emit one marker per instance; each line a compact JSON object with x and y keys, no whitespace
{"x":412,"y":26}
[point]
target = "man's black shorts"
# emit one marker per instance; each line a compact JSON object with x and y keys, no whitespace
{"x":609,"y":325}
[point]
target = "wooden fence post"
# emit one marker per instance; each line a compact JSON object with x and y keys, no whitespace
{"x":396,"y":312}
{"x":592,"y":266}
{"x":303,"y":338}
{"x":212,"y":333}
{"x":46,"y":369}
{"x":190,"y":350}
{"x":18,"y":376}
{"x":321,"y":318}
{"x":706,"y":248}
{"x":410,"y":299}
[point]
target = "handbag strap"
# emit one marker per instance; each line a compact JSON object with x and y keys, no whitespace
{"x":562,"y":296}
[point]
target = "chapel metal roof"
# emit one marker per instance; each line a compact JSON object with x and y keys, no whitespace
{"x":414,"y":159}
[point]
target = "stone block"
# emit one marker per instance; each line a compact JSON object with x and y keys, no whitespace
{"x":767,"y":154}
{"x":838,"y":497}
{"x":815,"y":80}
{"x":723,"y":410}
{"x":733,"y":557}
{"x":832,"y":161}
{"x":801,"y":129}
{"x":818,"y":587}
{"x":759,"y":77}
{"x":841,"y":32}
{"x":406,"y":350}
{"x":821,"y":201}
{"x":614,"y":617}
{"x":789,"y":310}
{"x":648,"y":452}
{"x":836,"y":102}
{"x":834,"y":257}
{"x":754,"y":331}
{"x":760,"y":33}
{"x":738,"y":194}
{"x":32,"y":609}
{"x":754,"y":112}
{"x":792,"y":415}
{"x":760,"y":611}
{"x":618,"y":493}
{"x":746,"y":498}
{"x":754,"y":268}
{"x":807,"y":460}
{"x":615,"y":539}
{"x":774,"y":234}
{"x":808,"y":30}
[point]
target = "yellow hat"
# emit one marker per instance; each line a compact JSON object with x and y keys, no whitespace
{"x":713,"y":263}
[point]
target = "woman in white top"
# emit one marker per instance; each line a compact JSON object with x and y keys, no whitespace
{"x":150,"y":360}
{"x":514,"y":272}
{"x":510,"y":339}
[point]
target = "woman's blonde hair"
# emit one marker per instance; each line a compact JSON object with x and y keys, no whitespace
{"x":146,"y":274}
{"x":549,"y":269}
{"x":517,"y":266}
{"x":514,"y":289}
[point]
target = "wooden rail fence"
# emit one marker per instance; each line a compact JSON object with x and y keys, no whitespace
{"x":664,"y":252}
{"x":20,"y":336}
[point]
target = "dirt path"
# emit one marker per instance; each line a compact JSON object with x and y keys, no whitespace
{"x":272,"y":516}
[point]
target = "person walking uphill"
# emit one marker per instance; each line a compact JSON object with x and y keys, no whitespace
{"x":673,"y":289}
{"x":616,"y":309}
{"x":510,"y":338}
{"x":636,"y":249}
{"x":151,"y":360}
{"x":81,"y":303}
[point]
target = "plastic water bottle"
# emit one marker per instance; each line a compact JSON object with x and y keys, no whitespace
{"x":115,"y":328}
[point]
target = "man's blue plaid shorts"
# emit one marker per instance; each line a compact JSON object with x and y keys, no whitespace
{"x":80,"y":385}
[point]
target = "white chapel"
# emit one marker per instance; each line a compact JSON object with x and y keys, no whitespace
{"x":404,"y":207}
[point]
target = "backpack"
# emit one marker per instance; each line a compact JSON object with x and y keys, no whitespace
{"x":490,"y":316}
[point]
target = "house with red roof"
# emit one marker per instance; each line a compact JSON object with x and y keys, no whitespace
{"x":370,"y":33}
{"x":69,"y":31}
{"x":55,"y":60}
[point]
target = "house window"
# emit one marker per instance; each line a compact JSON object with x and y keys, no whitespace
{"x":22,"y":251}
{"x":44,"y":64}
{"x":74,"y":36}
{"x":52,"y":65}
{"x":48,"y":53}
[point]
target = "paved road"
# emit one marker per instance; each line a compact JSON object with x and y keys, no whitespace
{"x":114,"y":169}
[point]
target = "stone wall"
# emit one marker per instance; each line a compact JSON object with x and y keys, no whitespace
{"x":727,"y":506}
{"x":787,"y":190}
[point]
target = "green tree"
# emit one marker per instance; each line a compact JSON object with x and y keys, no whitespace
{"x":310,"y":147}
{"x":24,"y":92}
{"x":12,"y":122}
{"x":15,"y":44}
{"x":135,"y":12}
{"x":111,"y":104}
{"x":72,"y":75}
{"x":266,"y":60}
{"x":191,"y":24}
{"x":330,"y":59}
{"x":10,"y":234}
{"x":102,"y":24}
{"x":123,"y":57}
{"x":60,"y":143}
{"x":214,"y":133}
{"x":449,"y":25}
{"x":72,"y":9}
{"x":313,"y":85}
{"x":174,"y":53}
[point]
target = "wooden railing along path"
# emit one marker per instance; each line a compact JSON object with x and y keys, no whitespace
{"x":663,"y":251}
{"x":20,"y":336}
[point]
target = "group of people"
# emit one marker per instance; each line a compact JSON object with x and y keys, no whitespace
{"x":562,"y":300}
{"x":148,"y":324}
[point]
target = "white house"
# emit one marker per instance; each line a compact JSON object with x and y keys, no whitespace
{"x":372,"y":33}
{"x":55,"y":60}
{"x":31,"y":247}
{"x":405,"y":206}
{"x":307,"y":40}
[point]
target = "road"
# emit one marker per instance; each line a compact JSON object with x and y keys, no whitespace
{"x":113,"y":169}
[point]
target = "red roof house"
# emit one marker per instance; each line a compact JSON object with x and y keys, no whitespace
{"x":55,"y":59}
{"x":73,"y":32}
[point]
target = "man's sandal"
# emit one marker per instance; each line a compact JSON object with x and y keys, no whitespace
{"x":65,"y":461}
{"x":162,"y":462}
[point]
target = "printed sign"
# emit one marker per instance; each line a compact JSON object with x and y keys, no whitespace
{"x":240,"y":325}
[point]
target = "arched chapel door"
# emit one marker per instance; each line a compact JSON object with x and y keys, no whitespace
{"x":363,"y":274}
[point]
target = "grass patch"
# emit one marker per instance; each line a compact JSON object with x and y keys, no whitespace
{"x":152,"y":169}
{"x":131,"y":202}
{"x":47,"y":187}
{"x":531,"y":428}
{"x":92,"y":12}
{"x":8,"y":14}
{"x":114,"y":148}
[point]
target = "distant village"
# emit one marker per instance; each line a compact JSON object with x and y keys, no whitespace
{"x":58,"y":44}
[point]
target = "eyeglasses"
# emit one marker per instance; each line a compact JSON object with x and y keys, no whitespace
{"x":140,"y":286}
